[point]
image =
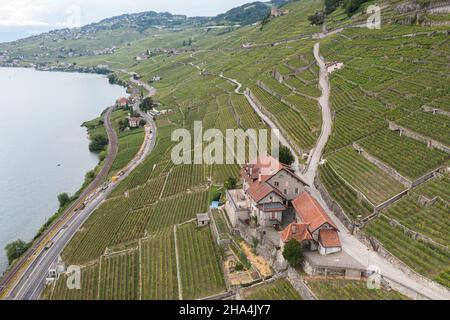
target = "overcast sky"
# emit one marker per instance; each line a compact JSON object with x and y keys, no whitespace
{"x":20,"y":18}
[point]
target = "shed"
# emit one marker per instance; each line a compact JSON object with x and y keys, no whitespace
{"x":203,"y":219}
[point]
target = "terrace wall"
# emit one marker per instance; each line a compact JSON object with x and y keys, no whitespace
{"x":378,"y":248}
{"x":334,"y":206}
{"x":279,"y":77}
{"x":389,"y":170}
{"x":297,"y":282}
{"x":416,"y":136}
{"x":392,"y":200}
{"x":413,"y":234}
{"x":436,"y":111}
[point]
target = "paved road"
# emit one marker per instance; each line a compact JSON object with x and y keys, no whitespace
{"x":351,"y":244}
{"x":31,"y":282}
{"x":15,"y":272}
{"x":327,"y":122}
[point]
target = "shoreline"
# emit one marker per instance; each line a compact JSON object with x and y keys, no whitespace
{"x":76,"y":195}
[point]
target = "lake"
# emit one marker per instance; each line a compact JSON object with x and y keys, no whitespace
{"x":43,"y":148}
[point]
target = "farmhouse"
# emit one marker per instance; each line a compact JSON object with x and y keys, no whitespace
{"x":313,"y":228}
{"x":273,"y":197}
{"x":268,"y":189}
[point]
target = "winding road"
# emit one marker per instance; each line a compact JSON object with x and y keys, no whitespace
{"x":351,"y":245}
{"x":27,"y":279}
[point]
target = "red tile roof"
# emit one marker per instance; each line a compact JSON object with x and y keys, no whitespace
{"x":329,"y":238}
{"x":265,"y":168}
{"x":259,"y":191}
{"x":297,"y":231}
{"x":310,"y":211}
{"x":122,"y":101}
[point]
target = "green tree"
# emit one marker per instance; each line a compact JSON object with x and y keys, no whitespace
{"x":98,"y":143}
{"x":15,"y":249}
{"x":230,"y":183}
{"x":317,"y":19}
{"x":351,"y":6}
{"x":286,"y":156}
{"x":63,"y":199}
{"x":293,"y":253}
{"x":147,"y":104}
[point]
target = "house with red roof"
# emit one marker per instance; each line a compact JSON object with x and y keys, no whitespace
{"x":122,"y":102}
{"x":313,"y":229}
{"x":268,"y":189}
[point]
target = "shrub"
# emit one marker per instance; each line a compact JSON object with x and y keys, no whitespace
{"x":293,"y":253}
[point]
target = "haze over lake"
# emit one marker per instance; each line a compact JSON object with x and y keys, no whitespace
{"x":42,"y":113}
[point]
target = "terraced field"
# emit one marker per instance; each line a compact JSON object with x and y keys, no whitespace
{"x":277,"y":290}
{"x":178,"y":209}
{"x":428,"y":124}
{"x":182,"y":177}
{"x":437,"y":187}
{"x":409,"y":157}
{"x":431,"y":220}
{"x":88,"y":291}
{"x":339,"y":289}
{"x":425,"y":258}
{"x":119,"y":276}
{"x":347,"y":198}
{"x":290,"y":120}
{"x":367,"y":178}
{"x":388,"y":75}
{"x":159,"y":270}
{"x":201,"y":271}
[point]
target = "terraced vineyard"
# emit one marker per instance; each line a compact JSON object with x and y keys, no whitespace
{"x":347,"y":198}
{"x":119,"y":276}
{"x":182,"y":177}
{"x":159,"y":270}
{"x":425,"y":258}
{"x":431,"y":220}
{"x":248,"y":118}
{"x":351,"y":124}
{"x":201,"y":271}
{"x":339,"y":289}
{"x":409,"y":157}
{"x":277,"y":290}
{"x":290,"y":120}
{"x":437,"y":187}
{"x":181,"y":208}
{"x":367,"y":178}
{"x":430,"y":125}
{"x":88,"y":291}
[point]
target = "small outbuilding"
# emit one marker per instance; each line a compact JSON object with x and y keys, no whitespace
{"x":203,"y":219}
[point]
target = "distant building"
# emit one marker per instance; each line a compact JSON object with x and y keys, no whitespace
{"x":122,"y":102}
{"x":134,"y":122}
{"x":275,"y":12}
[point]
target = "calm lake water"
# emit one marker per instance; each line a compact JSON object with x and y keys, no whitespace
{"x":41,"y":114}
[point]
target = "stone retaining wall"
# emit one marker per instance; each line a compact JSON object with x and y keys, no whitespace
{"x":334,"y":206}
{"x":378,"y":247}
{"x":413,"y":234}
{"x":436,"y":111}
{"x":389,"y":170}
{"x":297,"y":282}
{"x":431,"y":143}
